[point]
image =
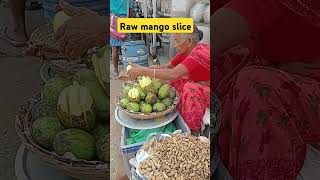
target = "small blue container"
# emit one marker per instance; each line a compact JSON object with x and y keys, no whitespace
{"x":101,"y":7}
{"x":135,"y":52}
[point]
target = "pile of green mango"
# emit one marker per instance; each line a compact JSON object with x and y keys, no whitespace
{"x":154,"y":97}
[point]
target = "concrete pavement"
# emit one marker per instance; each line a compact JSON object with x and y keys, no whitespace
{"x":19,"y":77}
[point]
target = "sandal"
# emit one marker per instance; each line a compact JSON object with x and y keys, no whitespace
{"x":115,"y":75}
{"x":4,"y":35}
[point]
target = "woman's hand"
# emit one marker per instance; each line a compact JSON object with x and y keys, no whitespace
{"x":135,"y":71}
{"x":123,"y":76}
{"x":85,"y":30}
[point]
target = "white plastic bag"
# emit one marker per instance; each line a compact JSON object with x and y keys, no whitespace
{"x":206,"y":15}
{"x":146,"y":150}
{"x":197,"y":10}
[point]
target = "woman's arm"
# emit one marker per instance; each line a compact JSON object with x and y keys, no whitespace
{"x":164,"y":66}
{"x":229,"y":29}
{"x":163,"y":74}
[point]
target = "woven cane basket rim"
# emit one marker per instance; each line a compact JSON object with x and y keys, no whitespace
{"x":67,"y":166}
{"x":44,"y":35}
{"x":153,"y":115}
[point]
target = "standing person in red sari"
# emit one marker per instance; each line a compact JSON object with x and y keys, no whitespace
{"x":189,"y":73}
{"x":268,"y":85}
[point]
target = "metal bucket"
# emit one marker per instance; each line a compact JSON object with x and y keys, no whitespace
{"x":135,"y":52}
{"x":100,"y":7}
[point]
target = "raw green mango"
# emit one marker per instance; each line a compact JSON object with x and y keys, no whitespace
{"x":164,"y":91}
{"x":44,"y":130}
{"x":100,"y":130}
{"x":146,"y":108}
{"x":142,"y":102}
{"x":101,"y":69}
{"x":172,"y":93}
{"x":85,"y":75}
{"x":151,"y":98}
{"x":78,"y":142}
{"x":125,"y":91}
{"x":132,"y":106}
{"x":52,"y":89}
{"x":124,"y":102}
{"x":103,"y":150}
{"x":100,"y":99}
{"x":44,"y":110}
{"x":167,"y":101}
{"x":158,"y":107}
{"x":156,"y":84}
{"x":142,"y":94}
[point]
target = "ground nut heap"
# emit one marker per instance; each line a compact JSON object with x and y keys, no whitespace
{"x":177,"y":158}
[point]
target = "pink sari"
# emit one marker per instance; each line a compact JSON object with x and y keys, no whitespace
{"x":269,"y":112}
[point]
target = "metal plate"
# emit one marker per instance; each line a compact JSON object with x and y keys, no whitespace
{"x":128,"y":122}
{"x":29,"y":167}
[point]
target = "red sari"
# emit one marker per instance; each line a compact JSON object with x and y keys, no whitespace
{"x":270,"y":112}
{"x":194,"y":89}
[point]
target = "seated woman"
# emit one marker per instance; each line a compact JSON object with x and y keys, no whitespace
{"x":189,"y":73}
{"x":268,"y":85}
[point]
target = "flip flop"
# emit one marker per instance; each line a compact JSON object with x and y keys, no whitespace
{"x":114,"y":74}
{"x":4,"y":35}
{"x":33,"y":5}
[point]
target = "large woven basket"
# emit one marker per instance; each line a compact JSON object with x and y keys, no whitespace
{"x":43,"y":45}
{"x":82,"y":169}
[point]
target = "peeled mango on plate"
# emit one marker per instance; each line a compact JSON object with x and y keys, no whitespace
{"x":75,"y":107}
{"x":59,"y":19}
{"x":133,"y":95}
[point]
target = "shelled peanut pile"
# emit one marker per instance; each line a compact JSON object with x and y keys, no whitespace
{"x":179,"y":157}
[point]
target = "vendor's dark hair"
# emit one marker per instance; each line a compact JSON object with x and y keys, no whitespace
{"x":196,"y":36}
{"x":199,"y":32}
